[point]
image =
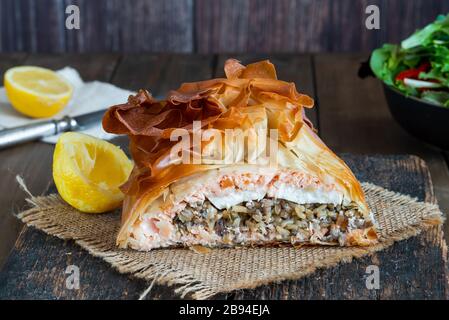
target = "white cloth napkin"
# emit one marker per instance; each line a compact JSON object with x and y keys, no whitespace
{"x":87,"y":97}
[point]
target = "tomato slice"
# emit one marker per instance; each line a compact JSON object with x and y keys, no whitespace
{"x":414,"y":72}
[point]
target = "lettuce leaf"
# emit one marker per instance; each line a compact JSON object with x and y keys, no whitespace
{"x":425,"y":36}
{"x":384,"y":62}
{"x":435,"y":74}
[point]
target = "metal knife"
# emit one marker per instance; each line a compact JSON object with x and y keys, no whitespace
{"x":39,"y":130}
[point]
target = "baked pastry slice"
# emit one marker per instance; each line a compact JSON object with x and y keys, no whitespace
{"x":232,"y":162}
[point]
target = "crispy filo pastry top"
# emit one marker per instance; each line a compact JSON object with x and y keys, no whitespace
{"x":308,"y":196}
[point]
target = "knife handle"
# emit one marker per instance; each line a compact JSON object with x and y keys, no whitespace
{"x":35,"y":131}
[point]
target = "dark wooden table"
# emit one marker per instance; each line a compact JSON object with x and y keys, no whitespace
{"x":351,"y":115}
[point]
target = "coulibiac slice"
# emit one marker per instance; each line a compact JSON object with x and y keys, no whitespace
{"x":233,"y":162}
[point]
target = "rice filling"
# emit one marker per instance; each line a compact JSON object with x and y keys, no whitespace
{"x":270,"y":219}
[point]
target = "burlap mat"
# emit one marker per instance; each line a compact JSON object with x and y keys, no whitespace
{"x":225,"y":270}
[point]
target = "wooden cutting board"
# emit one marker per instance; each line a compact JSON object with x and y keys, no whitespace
{"x":412,"y":269}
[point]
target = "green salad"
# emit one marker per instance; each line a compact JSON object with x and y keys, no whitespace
{"x":418,"y":67}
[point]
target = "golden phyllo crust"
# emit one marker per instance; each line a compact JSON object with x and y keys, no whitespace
{"x":306,"y":196}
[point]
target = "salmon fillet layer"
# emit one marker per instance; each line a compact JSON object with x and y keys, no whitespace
{"x":252,"y":206}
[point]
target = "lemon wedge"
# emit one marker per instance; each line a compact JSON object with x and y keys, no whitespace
{"x":36,"y":92}
{"x":88,"y":172}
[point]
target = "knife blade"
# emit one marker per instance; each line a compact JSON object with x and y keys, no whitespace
{"x":38,"y":130}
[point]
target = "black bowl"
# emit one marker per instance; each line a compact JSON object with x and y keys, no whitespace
{"x":424,"y":120}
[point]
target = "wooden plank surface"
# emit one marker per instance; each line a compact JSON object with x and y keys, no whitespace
{"x":327,"y":78}
{"x":205,"y":26}
{"x":306,"y":26}
{"x":161,"y":73}
{"x":36,"y":267}
{"x":105,"y":26}
{"x":9,"y":227}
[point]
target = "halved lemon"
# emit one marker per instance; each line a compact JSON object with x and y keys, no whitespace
{"x":37,"y":92}
{"x":88,"y":172}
